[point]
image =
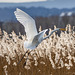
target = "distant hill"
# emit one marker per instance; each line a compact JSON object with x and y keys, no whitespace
{"x":7,"y":14}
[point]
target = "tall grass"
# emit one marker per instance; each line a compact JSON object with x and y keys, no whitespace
{"x":54,"y":56}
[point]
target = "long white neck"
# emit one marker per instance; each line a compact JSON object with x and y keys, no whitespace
{"x":50,"y":33}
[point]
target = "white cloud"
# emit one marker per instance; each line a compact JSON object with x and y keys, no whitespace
{"x":21,"y":0}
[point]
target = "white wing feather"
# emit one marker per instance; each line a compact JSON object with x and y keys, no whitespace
{"x":28,"y":22}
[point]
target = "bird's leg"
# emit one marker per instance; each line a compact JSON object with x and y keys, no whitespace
{"x":23,"y":56}
{"x":26,"y":59}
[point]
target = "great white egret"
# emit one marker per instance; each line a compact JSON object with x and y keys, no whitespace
{"x":34,"y":38}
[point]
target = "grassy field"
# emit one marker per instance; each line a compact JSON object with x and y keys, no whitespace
{"x":54,"y":56}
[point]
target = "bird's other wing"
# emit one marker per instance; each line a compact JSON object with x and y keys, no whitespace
{"x":41,"y":34}
{"x":28,"y":22}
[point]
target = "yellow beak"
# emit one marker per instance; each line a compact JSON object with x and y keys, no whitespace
{"x":63,"y":29}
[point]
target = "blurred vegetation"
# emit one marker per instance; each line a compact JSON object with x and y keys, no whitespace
{"x":44,"y":22}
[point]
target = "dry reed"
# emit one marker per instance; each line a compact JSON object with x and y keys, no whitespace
{"x":54,"y":56}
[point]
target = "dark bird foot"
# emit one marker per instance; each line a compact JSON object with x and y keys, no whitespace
{"x":24,"y":64}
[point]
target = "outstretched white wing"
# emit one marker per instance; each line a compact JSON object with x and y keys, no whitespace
{"x":28,"y":22}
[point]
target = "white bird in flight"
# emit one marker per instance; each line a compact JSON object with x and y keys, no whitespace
{"x":33,"y":37}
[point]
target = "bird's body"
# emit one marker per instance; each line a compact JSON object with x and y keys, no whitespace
{"x":33,"y":37}
{"x":35,"y":41}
